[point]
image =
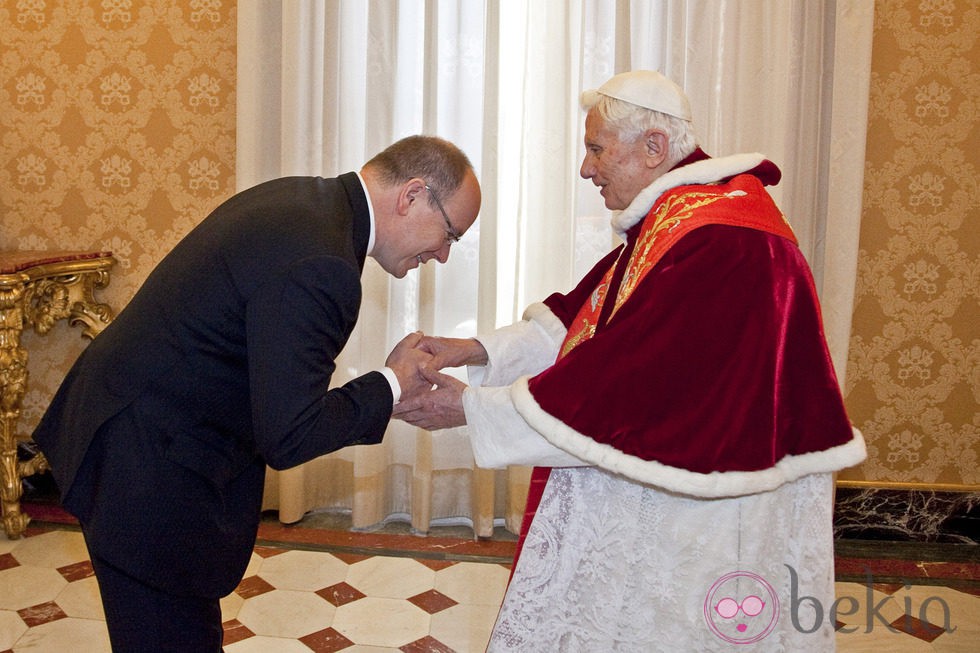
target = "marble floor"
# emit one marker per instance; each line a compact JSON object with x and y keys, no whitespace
{"x":311,"y":588}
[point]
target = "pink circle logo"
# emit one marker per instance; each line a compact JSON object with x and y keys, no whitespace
{"x":741,"y":608}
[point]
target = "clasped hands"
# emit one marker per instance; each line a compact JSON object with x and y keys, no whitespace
{"x":430,"y":399}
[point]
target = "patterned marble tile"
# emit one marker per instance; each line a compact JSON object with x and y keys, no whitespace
{"x":426,"y":645}
{"x":66,"y":635}
{"x":327,"y":640}
{"x":906,"y":618}
{"x":52,"y":550}
{"x":396,"y":578}
{"x":432,"y":601}
{"x":917,"y":628}
{"x":24,"y":587}
{"x":340,"y":594}
{"x":297,"y":600}
{"x":41,"y":614}
{"x":235,"y":631}
{"x":306,"y":571}
{"x":474,"y":583}
{"x":77,"y":571}
{"x":251,"y":586}
{"x":465,"y":627}
{"x":12,"y":628}
{"x":378,"y":621}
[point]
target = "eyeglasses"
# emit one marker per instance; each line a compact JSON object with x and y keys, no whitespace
{"x":452,"y":236}
{"x":751,"y":606}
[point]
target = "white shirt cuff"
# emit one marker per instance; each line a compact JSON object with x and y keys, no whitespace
{"x":396,"y":388}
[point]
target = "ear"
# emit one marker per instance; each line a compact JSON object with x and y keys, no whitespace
{"x":656,"y":146}
{"x":409,"y":193}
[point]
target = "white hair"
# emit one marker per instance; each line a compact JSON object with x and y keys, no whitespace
{"x":632,"y":121}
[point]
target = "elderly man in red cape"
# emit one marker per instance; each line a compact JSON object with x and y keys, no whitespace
{"x":679,"y":406}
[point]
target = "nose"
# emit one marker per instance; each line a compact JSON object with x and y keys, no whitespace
{"x":442,"y":254}
{"x":588,"y":169}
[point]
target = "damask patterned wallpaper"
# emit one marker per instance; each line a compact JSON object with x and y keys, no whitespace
{"x":913,"y":371}
{"x":117,"y":132}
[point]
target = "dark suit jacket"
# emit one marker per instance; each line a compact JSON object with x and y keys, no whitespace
{"x":159,"y":436}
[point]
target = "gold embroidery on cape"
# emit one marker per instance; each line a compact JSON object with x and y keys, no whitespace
{"x":673,"y":212}
{"x":584,"y":331}
{"x":584,"y":324}
{"x":670,"y":215}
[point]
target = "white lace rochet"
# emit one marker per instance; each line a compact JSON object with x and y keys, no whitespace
{"x":612,"y":565}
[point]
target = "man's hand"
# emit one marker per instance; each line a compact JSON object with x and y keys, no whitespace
{"x":453,"y":352}
{"x":436,"y":409}
{"x":406,"y":361}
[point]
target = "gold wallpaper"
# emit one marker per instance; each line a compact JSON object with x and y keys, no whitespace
{"x":913,"y":374}
{"x":117,"y":132}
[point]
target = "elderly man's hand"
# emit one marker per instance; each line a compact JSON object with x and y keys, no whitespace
{"x":453,"y":352}
{"x":439,"y":408}
{"x":406,"y":361}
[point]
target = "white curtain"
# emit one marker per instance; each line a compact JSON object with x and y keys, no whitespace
{"x":324,"y":84}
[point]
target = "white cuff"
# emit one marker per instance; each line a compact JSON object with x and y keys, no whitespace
{"x":500,"y":436}
{"x":525,"y":347}
{"x":396,"y":388}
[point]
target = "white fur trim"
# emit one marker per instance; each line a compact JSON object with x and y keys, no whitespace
{"x":706,"y":171}
{"x":527,"y":346}
{"x":540,"y":313}
{"x":500,"y":436}
{"x":675,"y":479}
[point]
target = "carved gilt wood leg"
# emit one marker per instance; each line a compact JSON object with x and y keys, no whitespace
{"x":13,"y":384}
{"x":39,"y":304}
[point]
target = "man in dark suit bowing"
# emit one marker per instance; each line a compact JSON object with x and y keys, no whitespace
{"x":160,"y":435}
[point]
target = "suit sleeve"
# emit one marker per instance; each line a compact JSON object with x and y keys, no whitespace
{"x":296,"y":329}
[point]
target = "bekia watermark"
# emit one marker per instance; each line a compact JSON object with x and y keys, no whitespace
{"x":742,"y":607}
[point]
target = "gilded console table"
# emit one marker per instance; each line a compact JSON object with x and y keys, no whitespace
{"x":36,"y":290}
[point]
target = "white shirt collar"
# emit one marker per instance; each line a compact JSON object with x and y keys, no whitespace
{"x":370,"y":246}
